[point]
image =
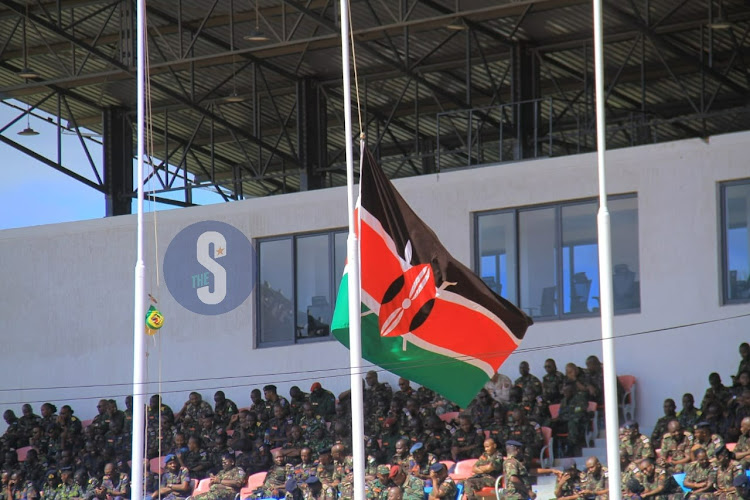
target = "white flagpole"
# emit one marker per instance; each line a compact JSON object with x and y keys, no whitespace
{"x":352,"y":255}
{"x":605,"y":270}
{"x":140,"y":288}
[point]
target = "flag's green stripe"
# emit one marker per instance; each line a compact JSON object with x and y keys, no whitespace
{"x":458,"y":381}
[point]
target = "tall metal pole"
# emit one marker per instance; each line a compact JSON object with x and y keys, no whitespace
{"x":139,"y":328}
{"x":352,"y":255}
{"x":605,"y":269}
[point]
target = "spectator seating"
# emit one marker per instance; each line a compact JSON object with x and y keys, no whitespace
{"x":156,"y":465}
{"x":680,"y":478}
{"x":203,"y":487}
{"x":463,"y":469}
{"x":449,"y":416}
{"x":730,"y":447}
{"x":627,"y":405}
{"x":449,"y":464}
{"x":592,"y":430}
{"x":21,"y":452}
{"x":547,"y":453}
{"x":254,"y":481}
{"x":86,"y":423}
{"x":554,"y":411}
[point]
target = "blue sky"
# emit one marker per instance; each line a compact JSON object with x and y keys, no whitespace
{"x":33,"y":193}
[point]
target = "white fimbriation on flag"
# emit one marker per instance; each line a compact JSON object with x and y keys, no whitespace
{"x":139,"y":328}
{"x":605,"y":269}
{"x":352,"y":255}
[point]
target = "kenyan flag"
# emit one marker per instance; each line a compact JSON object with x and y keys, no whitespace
{"x":425,"y":316}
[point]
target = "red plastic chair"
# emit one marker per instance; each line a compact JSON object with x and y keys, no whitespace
{"x":463,"y":469}
{"x":547,"y":453}
{"x":86,"y":423}
{"x":254,"y":481}
{"x":627,"y":405}
{"x":203,"y":487}
{"x":448,"y":464}
{"x":22,"y":452}
{"x":449,"y":416}
{"x":156,"y":465}
{"x":729,"y":446}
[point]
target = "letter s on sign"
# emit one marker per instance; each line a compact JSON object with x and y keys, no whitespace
{"x":207,"y":261}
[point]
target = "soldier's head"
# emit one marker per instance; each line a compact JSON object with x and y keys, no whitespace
{"x":571,"y":371}
{"x":723,"y":455}
{"x":397,"y":475}
{"x":80,"y":477}
{"x":745,"y":425}
{"x":314,"y":485}
{"x":395,"y":493}
{"x":550,"y":366}
{"x":31,"y":456}
{"x":674,"y":428}
{"x":741,"y":484}
{"x":744,"y":350}
{"x":634,"y":486}
{"x":568,"y":390}
{"x":402,"y":447}
{"x":701,"y":457}
{"x":464,"y":422}
{"x":154,"y":402}
{"x":371,"y":378}
{"x":490,"y":446}
{"x":687,"y":400}
{"x":744,"y":379}
{"x":4,"y":477}
{"x":714,"y":379}
{"x":513,"y":448}
{"x":382,"y":472}
{"x":296,"y":432}
{"x":413,"y":406}
{"x":403,"y":384}
{"x":102,"y":406}
{"x":9,"y":417}
{"x":207,"y":421}
{"x":340,"y":410}
{"x":669,"y":407}
{"x":593,"y":364}
{"x":325,"y":456}
{"x":338,"y":452}
{"x":48,"y":409}
{"x":498,"y":415}
{"x":269,"y":392}
{"x":278,"y":411}
{"x":194,"y":443}
{"x":129,"y":402}
{"x":713,"y":410}
{"x":305,"y":454}
{"x":439,"y":470}
{"x":179,"y":440}
{"x":227,"y":461}
{"x":523,"y":368}
{"x":418,"y":452}
{"x":647,"y":466}
{"x":318,"y":432}
{"x":630,"y":429}
{"x":483,"y":396}
{"x":278,"y":457}
{"x":195,"y":399}
{"x":219,"y":397}
{"x":220,"y":441}
{"x":315,"y":388}
{"x":593,"y":466}
{"x":395,"y":406}
{"x":255,"y":396}
{"x":171,"y":463}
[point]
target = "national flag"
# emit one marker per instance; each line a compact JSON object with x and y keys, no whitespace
{"x":425,"y":316}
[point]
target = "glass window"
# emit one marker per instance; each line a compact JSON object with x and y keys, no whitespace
{"x":296,"y":290}
{"x":546,"y":260}
{"x":736,"y":240}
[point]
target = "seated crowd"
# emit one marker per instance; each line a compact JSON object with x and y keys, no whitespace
{"x":303,"y":443}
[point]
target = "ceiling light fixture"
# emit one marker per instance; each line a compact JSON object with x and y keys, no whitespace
{"x":28,"y":131}
{"x":457,"y":23}
{"x":720,"y":22}
{"x":256,"y":35}
{"x":26,"y":72}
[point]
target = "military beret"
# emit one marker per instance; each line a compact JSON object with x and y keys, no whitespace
{"x":630,"y":424}
{"x":741,"y":480}
{"x":417,"y":446}
{"x":269,"y":387}
{"x":324,"y":451}
{"x":383,"y":469}
{"x":169,"y":458}
{"x":395,"y":470}
{"x":703,"y":425}
{"x":438,"y":467}
{"x":315,"y":386}
{"x":389,"y":421}
{"x":66,"y":469}
{"x":513,"y":442}
{"x":634,"y":486}
{"x":312,"y":480}
{"x":721,"y":450}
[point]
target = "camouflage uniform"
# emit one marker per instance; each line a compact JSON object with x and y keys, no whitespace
{"x":316,"y":445}
{"x":743,"y":445}
{"x":277,"y":430}
{"x":724,"y":478}
{"x":152,"y":415}
{"x":223,"y":413}
{"x":379,"y":392}
{"x":552,"y":387}
{"x":574,"y":412}
{"x":688,"y":419}
{"x":193,"y":414}
{"x":388,"y":444}
{"x":714,"y":443}
{"x":413,"y":488}
{"x":421,"y":468}
{"x":308,"y":425}
{"x":344,"y":475}
{"x":473,"y":438}
{"x":637,"y":449}
{"x":303,"y":471}
{"x":438,"y":443}
{"x":118,"y":482}
{"x":276,"y":479}
{"x":528,"y":434}
{"x":193,"y":459}
{"x":326,"y":475}
{"x":670,"y":448}
{"x":529,"y":380}
{"x":660,"y":479}
{"x":295,"y":445}
{"x":221,"y":491}
{"x":403,"y":461}
{"x":572,"y":486}
{"x":592,"y":483}
{"x":174,"y":479}
{"x":694,"y":473}
{"x":512,"y":467}
{"x":376,"y":490}
{"x":661,"y":428}
{"x":479,"y":481}
{"x":67,"y":491}
{"x":28,"y":492}
{"x":481,"y":414}
{"x":280,"y":401}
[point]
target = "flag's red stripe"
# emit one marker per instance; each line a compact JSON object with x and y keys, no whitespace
{"x":379,"y":265}
{"x":459,"y":329}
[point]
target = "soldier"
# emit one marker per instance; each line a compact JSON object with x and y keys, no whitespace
{"x":309,"y":421}
{"x":258,"y":406}
{"x":411,"y":487}
{"x":656,"y":482}
{"x":437,"y":439}
{"x":742,"y":449}
{"x":552,"y":383}
{"x":293,"y":447}
{"x":325,"y":473}
{"x":319,"y":440}
{"x":569,"y":484}
{"x":33,"y":470}
{"x":595,"y":484}
{"x":690,"y":415}
{"x":278,"y":428}
{"x":66,"y":490}
{"x":313,"y":489}
{"x":700,"y":476}
{"x":486,"y":469}
{"x":727,"y":470}
{"x":156,"y":408}
{"x":742,"y":486}
{"x":520,"y":429}
{"x":226,"y":484}
{"x":49,"y":490}
{"x":675,"y":448}
{"x":744,"y":365}
{"x":174,"y":483}
{"x":661,"y":425}
{"x":343,"y":475}
{"x":306,"y":466}
{"x":527,"y":379}
{"x":13,"y":437}
{"x":376,"y":391}
{"x":191,"y":413}
{"x":405,"y":391}
{"x":273,"y":399}
{"x":482,"y":408}
{"x":296,"y":399}
{"x":196,"y":459}
{"x":635,"y":445}
{"x":704,"y":439}
{"x":420,"y":462}
{"x":323,"y":401}
{"x":467,"y":440}
{"x":517,"y":483}
{"x":377,"y":488}
{"x":632,"y":489}
{"x":716,"y":393}
{"x":116,"y":483}
{"x":223,"y":409}
{"x":273,"y":486}
{"x":572,"y":418}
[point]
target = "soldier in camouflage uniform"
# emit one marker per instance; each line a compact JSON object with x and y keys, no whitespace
{"x":312,"y":489}
{"x":569,"y":484}
{"x":675,"y":448}
{"x":174,"y":483}
{"x":67,"y":489}
{"x":467,"y":440}
{"x":656,"y":482}
{"x":308,"y":421}
{"x":661,"y":425}
{"x":277,"y":475}
{"x":401,"y":457}
{"x":376,"y":391}
{"x":343,"y":475}
{"x":552,"y":383}
{"x":377,"y":488}
{"x":690,"y":415}
{"x":307,"y":467}
{"x":742,"y":449}
{"x":297,"y":398}
{"x":727,"y":469}
{"x":319,"y":441}
{"x":323,"y":401}
{"x":293,"y":447}
{"x":325,"y":473}
{"x":273,"y":399}
{"x":704,"y":439}
{"x":420,"y":462}
{"x":573,"y":417}
{"x":226,"y":484}
{"x":481,"y":409}
{"x":437,"y":439}
{"x":411,"y":487}
{"x":517,"y":483}
{"x":116,"y":483}
{"x":595,"y":484}
{"x":700,"y":476}
{"x":527,"y":379}
{"x":49,"y":490}
{"x":486,"y":469}
{"x":22,"y":489}
{"x":196,"y":459}
{"x":530,"y":434}
{"x":191,"y":413}
{"x":635,"y":445}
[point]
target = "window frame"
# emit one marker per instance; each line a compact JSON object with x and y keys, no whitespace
{"x":292,"y":239}
{"x":724,"y":244}
{"x":558,"y":224}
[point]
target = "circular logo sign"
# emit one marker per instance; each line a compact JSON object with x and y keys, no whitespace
{"x":208,"y":267}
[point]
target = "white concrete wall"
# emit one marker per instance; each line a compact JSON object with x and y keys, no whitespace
{"x":66,"y":297}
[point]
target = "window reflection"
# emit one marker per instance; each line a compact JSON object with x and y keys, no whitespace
{"x":736,"y":238}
